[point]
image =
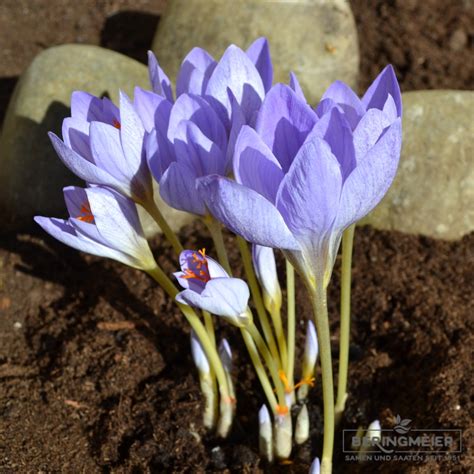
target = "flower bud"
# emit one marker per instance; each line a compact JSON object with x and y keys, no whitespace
{"x":265,"y":434}
{"x":283,"y":430}
{"x":315,"y":467}
{"x":302,"y":425}
{"x":265,"y":269}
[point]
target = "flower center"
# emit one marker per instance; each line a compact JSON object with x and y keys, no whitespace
{"x":198,"y":268}
{"x":85,"y":213}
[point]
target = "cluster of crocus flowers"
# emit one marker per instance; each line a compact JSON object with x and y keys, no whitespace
{"x":233,"y":149}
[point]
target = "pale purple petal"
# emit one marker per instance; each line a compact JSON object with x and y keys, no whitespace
{"x":259,"y":54}
{"x":76,"y":200}
{"x":390,"y":108}
{"x":245,"y":212}
{"x":160,"y":82}
{"x":385,"y":83}
{"x":227,"y":297}
{"x":255,"y":166}
{"x":76,"y":136}
{"x":370,"y":180}
{"x":195,"y":72}
{"x":159,"y":152}
{"x":178,"y":189}
{"x":85,"y":106}
{"x":236,"y":72}
{"x":284,"y":122}
{"x":152,"y":108}
{"x":295,"y":85}
{"x":324,"y":107}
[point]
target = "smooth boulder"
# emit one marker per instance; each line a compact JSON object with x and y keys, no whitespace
{"x":433,"y":192}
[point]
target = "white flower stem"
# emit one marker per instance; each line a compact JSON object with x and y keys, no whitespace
{"x":291,"y":320}
{"x":257,"y":298}
{"x":345,"y":309}
{"x":318,"y":297}
{"x":157,"y":215}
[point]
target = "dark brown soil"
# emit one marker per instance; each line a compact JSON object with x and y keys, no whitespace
{"x":95,"y":370}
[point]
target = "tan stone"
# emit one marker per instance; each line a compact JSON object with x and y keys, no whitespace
{"x":433,"y":193}
{"x":316,"y":39}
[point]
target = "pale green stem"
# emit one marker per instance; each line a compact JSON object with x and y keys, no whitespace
{"x":291,"y":320}
{"x":347,"y":244}
{"x":215,"y":230}
{"x":259,"y":368}
{"x":280,"y":334}
{"x":257,"y":298}
{"x":318,"y":297}
{"x":270,"y":362}
{"x":155,"y":212}
{"x":209,"y":324}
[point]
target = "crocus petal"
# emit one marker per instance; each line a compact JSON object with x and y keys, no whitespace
{"x":385,"y":83}
{"x":178,"y":189}
{"x":255,"y":166}
{"x":225,"y":354}
{"x":151,"y":108}
{"x":75,"y":133}
{"x":227,"y":297}
{"x":284,"y":122}
{"x":295,"y":85}
{"x":199,"y":356}
{"x":315,"y":467}
{"x":368,"y":131}
{"x":237,"y":121}
{"x":336,"y":132}
{"x":259,"y":54}
{"x":309,"y":194}
{"x":113,"y":211}
{"x":347,"y":99}
{"x":87,"y":107}
{"x":64,"y":232}
{"x":159,"y":152}
{"x":197,"y":151}
{"x":216,"y":270}
{"x":324,"y":107}
{"x":83,"y":168}
{"x":245,"y":212}
{"x":236,"y":72}
{"x":390,"y":108}
{"x":160,"y":82}
{"x":197,"y":110}
{"x":370,"y":180}
{"x":76,"y":201}
{"x":195,"y":72}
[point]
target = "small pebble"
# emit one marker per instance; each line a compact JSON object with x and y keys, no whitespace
{"x":458,"y":40}
{"x":17,"y":325}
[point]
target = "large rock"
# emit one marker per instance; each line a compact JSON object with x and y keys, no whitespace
{"x":433,"y":193}
{"x":31,"y":175}
{"x":316,"y":39}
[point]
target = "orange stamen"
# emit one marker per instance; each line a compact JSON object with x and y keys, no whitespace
{"x":86,"y":213}
{"x":306,"y":381}
{"x":116,"y":124}
{"x":199,"y":258}
{"x":284,"y":379}
{"x":282,"y":410}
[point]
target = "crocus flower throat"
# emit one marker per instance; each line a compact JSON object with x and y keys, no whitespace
{"x":198,"y":268}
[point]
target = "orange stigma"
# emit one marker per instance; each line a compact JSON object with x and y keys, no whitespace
{"x":116,"y":124}
{"x":306,"y":381}
{"x":86,"y":213}
{"x":284,"y":379}
{"x":201,"y":270}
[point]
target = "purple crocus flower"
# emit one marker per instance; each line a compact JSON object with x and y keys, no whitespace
{"x":104,"y":145}
{"x":209,"y":287}
{"x":302,"y":179}
{"x":195,"y":135}
{"x":102,"y":222}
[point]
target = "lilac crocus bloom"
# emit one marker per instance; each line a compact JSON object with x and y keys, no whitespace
{"x":195,"y":135}
{"x":209,"y":287}
{"x":104,"y":145}
{"x":102,"y":222}
{"x":302,"y":179}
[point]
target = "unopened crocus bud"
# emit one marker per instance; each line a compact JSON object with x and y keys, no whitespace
{"x":372,"y":437}
{"x":315,"y":467}
{"x":225,"y":354}
{"x":309,"y":360}
{"x":208,"y":387}
{"x":265,"y":434}
{"x":265,"y":269}
{"x":302,"y":425}
{"x":283,"y":431}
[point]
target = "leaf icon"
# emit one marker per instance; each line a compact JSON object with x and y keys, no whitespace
{"x":405,"y":422}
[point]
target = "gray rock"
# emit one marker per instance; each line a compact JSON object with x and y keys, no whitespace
{"x":433,"y":193}
{"x":316,"y":39}
{"x":31,"y":175}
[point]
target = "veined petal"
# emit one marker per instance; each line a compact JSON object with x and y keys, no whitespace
{"x":75,"y":133}
{"x":85,"y":106}
{"x":160,"y":82}
{"x":368,"y":131}
{"x":64,"y":232}
{"x":384,"y":84}
{"x":236,"y":72}
{"x":347,"y":99}
{"x":255,"y":166}
{"x":195,"y":72}
{"x":259,"y":54}
{"x":77,"y":203}
{"x":284,"y":122}
{"x":390,"y":108}
{"x":227,"y":297}
{"x":370,"y":180}
{"x":325,"y":106}
{"x":159,"y":152}
{"x":83,"y":168}
{"x":335,"y":130}
{"x":309,"y":194}
{"x":295,"y":85}
{"x":113,"y":211}
{"x":178,"y":189}
{"x":153,"y":109}
{"x":245,"y":212}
